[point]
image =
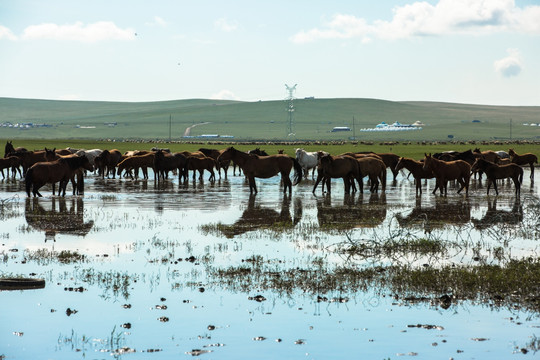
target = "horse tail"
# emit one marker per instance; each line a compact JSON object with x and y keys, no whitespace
{"x":298,"y":171}
{"x":28,"y":181}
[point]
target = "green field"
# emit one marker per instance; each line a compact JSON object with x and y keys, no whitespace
{"x":264,"y":120}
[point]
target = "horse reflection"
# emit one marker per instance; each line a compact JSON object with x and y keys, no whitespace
{"x":59,"y":219}
{"x":352,"y":214}
{"x":442,"y":214}
{"x":257,"y":217}
{"x":494,"y":216}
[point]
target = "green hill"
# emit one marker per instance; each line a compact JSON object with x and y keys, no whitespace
{"x":263,"y":120}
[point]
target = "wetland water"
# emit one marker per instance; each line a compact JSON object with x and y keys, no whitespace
{"x":139,"y":270}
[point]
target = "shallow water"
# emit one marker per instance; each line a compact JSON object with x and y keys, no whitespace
{"x":155,"y":280}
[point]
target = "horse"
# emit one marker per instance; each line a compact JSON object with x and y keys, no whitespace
{"x":488,"y":155}
{"x":264,"y":167}
{"x":416,"y":168}
{"x":165,"y":162}
{"x":375,"y":169}
{"x":257,"y":151}
{"x":10,"y":162}
{"x":308,"y":160}
{"x":136,"y":162}
{"x":8,"y":149}
{"x":29,"y":158}
{"x":448,"y":170}
{"x":61,"y":170}
{"x":106,"y":162}
{"x":345,"y":167}
{"x":214,"y":154}
{"x":494,"y":171}
{"x":197,"y":163}
{"x":524,"y":159}
{"x":90,"y":154}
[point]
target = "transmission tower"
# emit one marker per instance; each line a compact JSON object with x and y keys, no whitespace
{"x":290,"y":109}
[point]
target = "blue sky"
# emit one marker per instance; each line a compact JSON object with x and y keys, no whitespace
{"x":466,"y":51}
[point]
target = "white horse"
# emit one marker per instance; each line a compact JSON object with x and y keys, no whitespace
{"x":307,"y":160}
{"x":90,"y":154}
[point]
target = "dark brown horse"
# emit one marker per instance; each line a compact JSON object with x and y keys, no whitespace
{"x":528,"y":158}
{"x":197,"y":163}
{"x":264,"y":167}
{"x":61,"y":170}
{"x":335,"y":167}
{"x":494,"y":172}
{"x":107,"y":161}
{"x":8,"y":149}
{"x":449,"y":170}
{"x":214,"y":154}
{"x":10,"y":162}
{"x":165,"y":162}
{"x":416,"y":168}
{"x":488,"y":155}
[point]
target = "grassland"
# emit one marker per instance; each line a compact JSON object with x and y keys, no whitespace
{"x":264,"y":120}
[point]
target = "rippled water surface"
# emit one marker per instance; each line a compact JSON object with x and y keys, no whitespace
{"x":136,"y":269}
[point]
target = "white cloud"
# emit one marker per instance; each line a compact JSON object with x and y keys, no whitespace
{"x":224,"y":95}
{"x":424,"y":19}
{"x":99,"y":31}
{"x":225,"y":25}
{"x":157,"y":21}
{"x":5,"y":33}
{"x":510,"y":65}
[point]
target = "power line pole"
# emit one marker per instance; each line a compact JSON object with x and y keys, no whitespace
{"x":290,"y":108}
{"x":170,"y":123}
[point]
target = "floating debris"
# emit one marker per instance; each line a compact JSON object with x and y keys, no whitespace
{"x":426,"y":326}
{"x":300,"y":342}
{"x":163,"y":319}
{"x":75,"y":289}
{"x":259,"y":338}
{"x":161,"y":307}
{"x":197,"y":352}
{"x":18,"y":333}
{"x":479,"y":339}
{"x":258,"y":298}
{"x":69,"y":311}
{"x":152,"y":350}
{"x":126,"y":325}
{"x":211,"y":327}
{"x":126,"y":306}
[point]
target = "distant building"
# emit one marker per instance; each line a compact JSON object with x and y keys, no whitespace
{"x":341,"y":128}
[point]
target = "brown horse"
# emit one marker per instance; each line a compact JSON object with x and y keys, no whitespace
{"x":335,"y":167}
{"x":10,"y":162}
{"x":494,"y":172}
{"x":528,"y":158}
{"x":264,"y":167}
{"x":165,"y":162}
{"x":488,"y":155}
{"x":61,"y":170}
{"x":416,"y":168}
{"x":375,"y":169}
{"x":214,"y":154}
{"x":29,"y":158}
{"x":8,"y":149}
{"x":136,"y":162}
{"x":459,"y":170}
{"x":197,"y":163}
{"x":106,"y":162}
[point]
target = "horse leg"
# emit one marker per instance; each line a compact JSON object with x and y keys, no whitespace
{"x":495,"y":186}
{"x":252,"y":185}
{"x":319,"y":178}
{"x":532,"y":170}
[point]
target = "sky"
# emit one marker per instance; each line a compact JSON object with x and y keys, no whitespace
{"x":465,"y":51}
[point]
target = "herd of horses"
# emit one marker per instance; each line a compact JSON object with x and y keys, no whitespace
{"x":51,"y":166}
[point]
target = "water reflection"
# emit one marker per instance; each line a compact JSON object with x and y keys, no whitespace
{"x":59,"y":219}
{"x":353,"y":213}
{"x":445,"y":212}
{"x":495,"y":216}
{"x":257,"y":217}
